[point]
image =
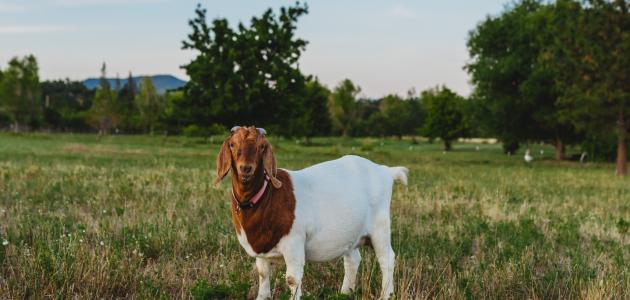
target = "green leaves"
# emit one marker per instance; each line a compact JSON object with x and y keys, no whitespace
{"x":20,"y":92}
{"x":445,"y":117}
{"x":343,"y":106}
{"x":247,"y":75}
{"x":149,"y":104}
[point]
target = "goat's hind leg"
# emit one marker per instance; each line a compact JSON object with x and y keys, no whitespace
{"x":351,"y":263}
{"x":381,"y":242}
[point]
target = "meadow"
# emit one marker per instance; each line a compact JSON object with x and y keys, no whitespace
{"x":139,"y":217}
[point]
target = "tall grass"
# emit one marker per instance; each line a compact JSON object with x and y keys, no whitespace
{"x":138,"y":217}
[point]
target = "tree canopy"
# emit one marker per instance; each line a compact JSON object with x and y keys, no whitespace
{"x":245,"y":75}
{"x":445,"y":118}
{"x":20,"y":92}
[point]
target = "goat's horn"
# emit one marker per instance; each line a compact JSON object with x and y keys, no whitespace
{"x":261,"y":130}
{"x":234,"y":128}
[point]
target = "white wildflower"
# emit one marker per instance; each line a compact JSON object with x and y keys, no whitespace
{"x":102,"y":243}
{"x":5,"y":242}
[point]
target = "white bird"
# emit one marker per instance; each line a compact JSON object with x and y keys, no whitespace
{"x":583,"y":157}
{"x":528,"y":158}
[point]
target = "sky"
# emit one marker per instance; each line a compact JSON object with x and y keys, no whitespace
{"x":386,"y":47}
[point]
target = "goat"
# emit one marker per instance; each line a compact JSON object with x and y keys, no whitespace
{"x":315,"y":214}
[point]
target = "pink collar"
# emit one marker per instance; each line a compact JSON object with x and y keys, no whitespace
{"x":253,"y":200}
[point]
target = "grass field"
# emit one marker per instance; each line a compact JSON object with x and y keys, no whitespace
{"x":138,"y":217}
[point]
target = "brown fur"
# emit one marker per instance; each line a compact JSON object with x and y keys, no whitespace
{"x":271,"y":219}
{"x":246,"y":146}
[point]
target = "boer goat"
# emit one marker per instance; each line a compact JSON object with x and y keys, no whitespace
{"x":315,"y":214}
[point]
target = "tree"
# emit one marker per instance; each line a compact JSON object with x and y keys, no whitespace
{"x":343,"y":106}
{"x":103,"y":113}
{"x":517,"y":91}
{"x":445,"y":118}
{"x":149,"y":104}
{"x":126,"y":100}
{"x":66,"y":104}
{"x":245,"y":75}
{"x":401,"y":116}
{"x":20,"y":92}
{"x":590,"y":53}
{"x":315,"y":119}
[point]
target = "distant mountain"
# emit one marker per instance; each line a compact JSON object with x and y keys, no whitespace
{"x":162,"y":83}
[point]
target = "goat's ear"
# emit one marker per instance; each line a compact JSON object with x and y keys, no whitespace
{"x":269,"y":163}
{"x":224,"y":161}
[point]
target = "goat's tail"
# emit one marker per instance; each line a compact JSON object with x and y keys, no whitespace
{"x":399,"y":174}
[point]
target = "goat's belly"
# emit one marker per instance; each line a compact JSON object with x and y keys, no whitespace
{"x":330,"y":244}
{"x":326,"y":250}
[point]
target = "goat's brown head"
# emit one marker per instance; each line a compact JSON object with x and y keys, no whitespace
{"x":245,"y":152}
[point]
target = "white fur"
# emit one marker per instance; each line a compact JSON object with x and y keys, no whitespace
{"x":338,"y":203}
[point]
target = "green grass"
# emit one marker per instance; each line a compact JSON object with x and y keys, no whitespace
{"x":138,"y":217}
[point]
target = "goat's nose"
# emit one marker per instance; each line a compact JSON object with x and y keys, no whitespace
{"x":246,"y":169}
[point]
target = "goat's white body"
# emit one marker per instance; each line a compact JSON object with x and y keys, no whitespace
{"x":338,"y":204}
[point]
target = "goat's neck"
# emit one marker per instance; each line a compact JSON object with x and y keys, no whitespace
{"x":242,"y":191}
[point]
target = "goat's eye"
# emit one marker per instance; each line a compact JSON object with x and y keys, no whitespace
{"x":231,"y":145}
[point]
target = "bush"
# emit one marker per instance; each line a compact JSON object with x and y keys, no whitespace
{"x":196,"y":131}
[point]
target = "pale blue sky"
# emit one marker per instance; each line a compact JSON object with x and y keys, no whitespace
{"x":383,"y":46}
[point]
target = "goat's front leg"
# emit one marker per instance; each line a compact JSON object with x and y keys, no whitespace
{"x":294,"y":260}
{"x":263,"y":267}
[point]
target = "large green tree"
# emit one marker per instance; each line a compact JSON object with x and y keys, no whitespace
{"x":344,"y":107}
{"x":149,"y":104}
{"x":445,"y":115}
{"x":590,"y":53}
{"x":20,"y":92}
{"x":247,"y":75}
{"x":518,"y":93}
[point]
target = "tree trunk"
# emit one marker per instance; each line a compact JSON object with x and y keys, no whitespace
{"x":16,"y":127}
{"x":447,"y":145}
{"x":560,"y":149}
{"x":622,"y":152}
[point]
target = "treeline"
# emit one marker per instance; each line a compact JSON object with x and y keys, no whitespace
{"x":543,"y":72}
{"x":68,"y":106}
{"x":247,"y":75}
{"x":251,"y":75}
